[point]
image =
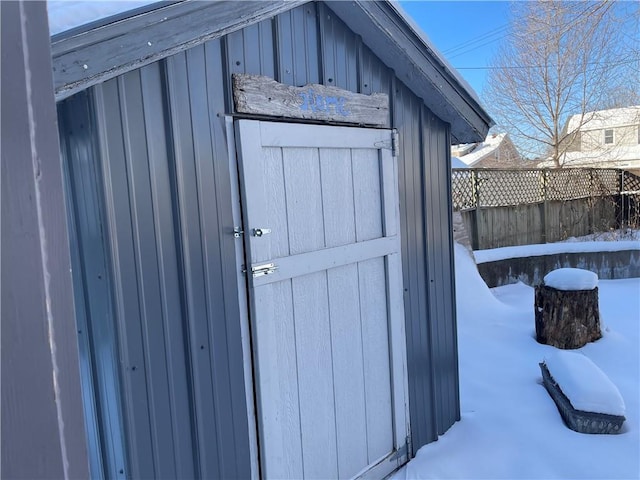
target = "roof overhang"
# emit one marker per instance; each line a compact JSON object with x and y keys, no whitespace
{"x":385,"y":31}
{"x":103,"y":50}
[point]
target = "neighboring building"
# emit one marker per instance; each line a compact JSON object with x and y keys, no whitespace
{"x":496,"y":151}
{"x":256,"y":293}
{"x":602,"y":139}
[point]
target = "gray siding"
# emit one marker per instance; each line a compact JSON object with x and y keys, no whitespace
{"x":156,"y":225}
{"x":42,"y":434}
{"x":163,"y":200}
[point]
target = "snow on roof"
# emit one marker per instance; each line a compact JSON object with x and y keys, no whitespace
{"x":67,"y":14}
{"x":619,"y":156}
{"x":586,"y":386}
{"x":599,"y":119}
{"x":457,"y":163}
{"x":491,"y":143}
{"x":571,"y":279}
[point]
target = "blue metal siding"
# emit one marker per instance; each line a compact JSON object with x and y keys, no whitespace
{"x":180,"y":361}
{"x":413,"y":167}
{"x":440,"y":271}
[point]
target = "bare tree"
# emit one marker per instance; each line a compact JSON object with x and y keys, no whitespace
{"x":561,"y":59}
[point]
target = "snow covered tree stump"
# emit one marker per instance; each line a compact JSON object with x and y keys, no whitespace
{"x":566,"y":308}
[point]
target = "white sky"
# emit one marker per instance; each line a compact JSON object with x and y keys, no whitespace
{"x":510,"y":427}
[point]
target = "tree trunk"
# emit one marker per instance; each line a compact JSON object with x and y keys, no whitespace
{"x":566,"y":319}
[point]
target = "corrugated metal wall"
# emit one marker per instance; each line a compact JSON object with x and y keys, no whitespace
{"x":166,"y":307}
{"x":160,"y":215}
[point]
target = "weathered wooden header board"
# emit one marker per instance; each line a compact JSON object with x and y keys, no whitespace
{"x":264,"y":96}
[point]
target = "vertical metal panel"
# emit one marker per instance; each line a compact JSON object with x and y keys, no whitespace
{"x":420,"y":348}
{"x":203,"y":196}
{"x":339,"y":51}
{"x":440,"y":272}
{"x":173,"y":270}
{"x":97,"y":332}
{"x":251,"y":50}
{"x":375,"y":76}
{"x":297,"y":46}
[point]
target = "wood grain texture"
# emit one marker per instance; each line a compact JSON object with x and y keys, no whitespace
{"x":277,"y":376}
{"x":92,"y":57}
{"x":315,"y":376}
{"x":566,"y":319}
{"x":330,"y":206}
{"x":262,"y":95}
{"x":376,"y":352}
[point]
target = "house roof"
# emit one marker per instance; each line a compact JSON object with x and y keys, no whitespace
{"x":622,"y":156}
{"x":469,"y":154}
{"x":600,"y":119}
{"x":85,"y":54}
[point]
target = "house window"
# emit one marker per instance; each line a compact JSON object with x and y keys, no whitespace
{"x":608,"y":136}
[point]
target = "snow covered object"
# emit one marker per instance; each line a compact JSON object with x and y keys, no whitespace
{"x":586,"y":398}
{"x":566,"y":308}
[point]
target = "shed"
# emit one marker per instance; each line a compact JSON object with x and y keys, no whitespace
{"x":260,"y":292}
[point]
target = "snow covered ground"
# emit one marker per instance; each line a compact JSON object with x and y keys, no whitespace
{"x":510,"y":427}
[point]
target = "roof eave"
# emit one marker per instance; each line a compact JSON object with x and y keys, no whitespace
{"x":416,"y":65}
{"x":98,"y":52}
{"x":104,"y":50}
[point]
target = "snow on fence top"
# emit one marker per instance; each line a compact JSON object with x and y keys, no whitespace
{"x":538,"y":250}
{"x":586,"y":386}
{"x":571,"y":279}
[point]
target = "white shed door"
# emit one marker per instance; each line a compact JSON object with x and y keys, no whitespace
{"x":320,"y":206}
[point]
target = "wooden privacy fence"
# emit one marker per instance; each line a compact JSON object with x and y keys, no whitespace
{"x":522,"y":206}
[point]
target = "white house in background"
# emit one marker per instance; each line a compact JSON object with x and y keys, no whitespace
{"x":603,"y":138}
{"x":497,"y":151}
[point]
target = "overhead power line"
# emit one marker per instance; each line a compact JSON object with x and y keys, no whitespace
{"x":519,"y":67}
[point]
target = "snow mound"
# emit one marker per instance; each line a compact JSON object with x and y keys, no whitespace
{"x":471,"y":289}
{"x":571,"y":279}
{"x":586,"y":386}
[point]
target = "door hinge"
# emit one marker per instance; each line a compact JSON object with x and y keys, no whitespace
{"x":264,"y":269}
{"x":395,"y":143}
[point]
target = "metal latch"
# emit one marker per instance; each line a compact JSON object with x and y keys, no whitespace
{"x":264,"y":269}
{"x":237,"y":231}
{"x":258,"y":232}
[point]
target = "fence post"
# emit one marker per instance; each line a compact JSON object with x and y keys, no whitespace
{"x":475,"y":236}
{"x":543,"y":210}
{"x":620,"y":214}
{"x":592,"y":201}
